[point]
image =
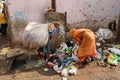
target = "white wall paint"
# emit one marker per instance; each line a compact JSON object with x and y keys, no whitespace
{"x":98,"y":12}
{"x":33,"y":10}
{"x":102,"y":11}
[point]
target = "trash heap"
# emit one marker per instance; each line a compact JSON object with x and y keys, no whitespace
{"x":64,"y":60}
{"x":108,"y":53}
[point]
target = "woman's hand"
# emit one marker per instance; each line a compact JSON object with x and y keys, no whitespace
{"x":78,"y":42}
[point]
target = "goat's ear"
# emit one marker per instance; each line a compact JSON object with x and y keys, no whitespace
{"x":57,"y":24}
{"x":51,"y":27}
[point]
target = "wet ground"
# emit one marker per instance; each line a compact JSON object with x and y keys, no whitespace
{"x":90,"y":72}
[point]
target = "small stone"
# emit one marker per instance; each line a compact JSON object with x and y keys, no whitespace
{"x":46,"y":69}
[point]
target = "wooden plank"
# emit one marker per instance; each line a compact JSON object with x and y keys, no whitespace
{"x":15,"y":53}
{"x":5,"y":65}
{"x":118,"y":30}
{"x":54,"y":4}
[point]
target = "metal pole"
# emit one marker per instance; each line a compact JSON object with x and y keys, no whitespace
{"x":54,"y":4}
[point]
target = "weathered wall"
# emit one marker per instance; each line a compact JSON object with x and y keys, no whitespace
{"x":81,"y":12}
{"x":89,"y":12}
{"x":29,"y":10}
{"x":23,"y":11}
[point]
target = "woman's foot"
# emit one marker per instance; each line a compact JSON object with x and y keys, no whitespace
{"x":88,"y":60}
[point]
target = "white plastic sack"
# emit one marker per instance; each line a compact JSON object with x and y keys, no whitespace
{"x":64,"y":72}
{"x":75,"y":49}
{"x":115,"y":50}
{"x":63,"y":46}
{"x":74,"y":57}
{"x":72,"y":71}
{"x":35,"y":35}
{"x":56,"y":68}
{"x":104,"y":33}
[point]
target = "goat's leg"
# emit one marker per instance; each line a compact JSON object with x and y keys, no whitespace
{"x":45,"y":57}
{"x":40,"y":56}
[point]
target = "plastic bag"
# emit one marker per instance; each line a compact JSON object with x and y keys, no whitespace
{"x":115,"y":50}
{"x":104,"y":33}
{"x":75,"y":49}
{"x":62,"y":47}
{"x":112,"y":59}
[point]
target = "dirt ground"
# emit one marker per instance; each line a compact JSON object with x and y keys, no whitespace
{"x":90,"y":72}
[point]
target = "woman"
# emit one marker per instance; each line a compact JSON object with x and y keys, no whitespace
{"x":86,"y":40}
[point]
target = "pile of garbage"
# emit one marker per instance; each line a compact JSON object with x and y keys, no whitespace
{"x":108,"y":54}
{"x":64,"y":60}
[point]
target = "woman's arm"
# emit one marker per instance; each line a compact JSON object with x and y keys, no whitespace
{"x":77,"y":39}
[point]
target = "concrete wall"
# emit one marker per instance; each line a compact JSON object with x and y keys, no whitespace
{"x":80,"y":12}
{"x":23,"y":11}
{"x":30,"y":10}
{"x":90,"y":12}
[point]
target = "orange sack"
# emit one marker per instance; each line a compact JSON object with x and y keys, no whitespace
{"x":87,"y":46}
